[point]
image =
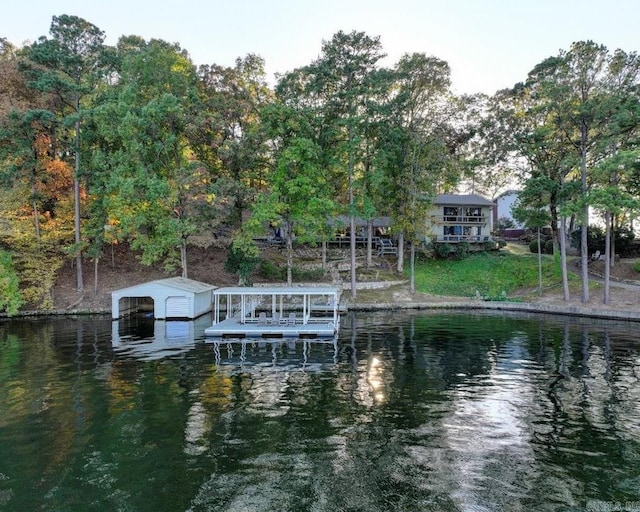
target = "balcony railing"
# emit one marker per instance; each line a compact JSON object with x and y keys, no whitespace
{"x":459,"y":219}
{"x":472,"y":239}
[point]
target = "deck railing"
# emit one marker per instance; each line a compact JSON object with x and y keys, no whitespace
{"x":459,"y":219}
{"x":474,"y":239}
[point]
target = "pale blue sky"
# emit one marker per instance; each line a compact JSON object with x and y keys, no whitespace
{"x":489,"y":44}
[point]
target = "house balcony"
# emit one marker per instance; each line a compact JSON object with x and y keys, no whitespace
{"x":455,"y":239}
{"x":460,"y":220}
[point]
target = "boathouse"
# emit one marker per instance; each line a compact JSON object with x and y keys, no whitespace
{"x":174,"y":297}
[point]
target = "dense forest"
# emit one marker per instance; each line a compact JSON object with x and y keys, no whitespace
{"x":135,"y":144}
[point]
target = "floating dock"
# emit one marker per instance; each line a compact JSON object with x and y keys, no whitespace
{"x":275,"y":312}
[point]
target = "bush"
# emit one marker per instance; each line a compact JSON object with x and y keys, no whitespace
{"x":10,"y":297}
{"x":533,"y":246}
{"x":241,"y":262}
{"x":443,"y":251}
{"x":462,"y":250}
{"x":636,"y":266}
{"x":622,"y":237}
{"x":546,"y":245}
{"x":269,"y":270}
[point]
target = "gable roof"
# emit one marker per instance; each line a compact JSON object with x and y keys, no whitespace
{"x":463,"y":200}
{"x":178,"y":283}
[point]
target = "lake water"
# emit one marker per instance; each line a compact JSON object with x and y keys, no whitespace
{"x":404,"y":412}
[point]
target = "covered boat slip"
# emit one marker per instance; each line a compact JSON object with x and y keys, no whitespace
{"x":275,"y":312}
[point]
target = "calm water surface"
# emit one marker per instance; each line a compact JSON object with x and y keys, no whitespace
{"x":404,"y":412}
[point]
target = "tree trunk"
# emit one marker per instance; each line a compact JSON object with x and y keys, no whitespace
{"x":95,"y":276}
{"x":369,"y":243}
{"x":584,"y":250}
{"x":183,"y":257}
{"x":563,"y":258}
{"x":401,"y":252}
{"x":76,"y":199}
{"x":539,"y":265}
{"x":289,"y":240}
{"x":607,"y":257}
{"x":612,"y":238}
{"x":324,"y":254}
{"x":352,"y":220}
{"x":412,"y":267}
{"x":36,"y":215}
{"x":352,"y":248}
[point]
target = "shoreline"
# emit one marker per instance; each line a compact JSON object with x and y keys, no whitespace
{"x":524,"y":307}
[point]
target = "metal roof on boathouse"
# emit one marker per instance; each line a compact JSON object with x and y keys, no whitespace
{"x":174,"y":297}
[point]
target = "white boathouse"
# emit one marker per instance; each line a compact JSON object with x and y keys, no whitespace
{"x":275,"y":311}
{"x":174,"y":297}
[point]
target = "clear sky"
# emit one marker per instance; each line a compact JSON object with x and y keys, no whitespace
{"x":489,"y":44}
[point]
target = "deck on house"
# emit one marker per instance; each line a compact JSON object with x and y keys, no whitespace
{"x":275,"y":312}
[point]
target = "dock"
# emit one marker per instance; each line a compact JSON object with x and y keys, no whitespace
{"x":275,"y":312}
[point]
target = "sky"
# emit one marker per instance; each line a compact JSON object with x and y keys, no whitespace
{"x":489,"y":44}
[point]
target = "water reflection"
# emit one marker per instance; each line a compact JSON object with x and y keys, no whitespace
{"x":308,"y":354}
{"x":413,"y":411}
{"x":147,"y":339}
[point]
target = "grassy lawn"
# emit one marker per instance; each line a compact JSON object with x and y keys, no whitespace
{"x":491,"y":274}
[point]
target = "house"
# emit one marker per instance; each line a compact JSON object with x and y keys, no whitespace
{"x":460,"y":218}
{"x":174,"y":297}
{"x":503,"y":205}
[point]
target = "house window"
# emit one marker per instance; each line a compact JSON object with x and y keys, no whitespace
{"x":450,"y":213}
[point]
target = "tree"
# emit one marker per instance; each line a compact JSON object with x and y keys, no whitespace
{"x":531,"y":209}
{"x":154,"y":190}
{"x":548,"y":163}
{"x":563,"y":123}
{"x":226,"y":133}
{"x":419,"y":143}
{"x":15,"y":96}
{"x":341,"y":83}
{"x":588,"y":87}
{"x":69,"y":65}
{"x":298,"y":201}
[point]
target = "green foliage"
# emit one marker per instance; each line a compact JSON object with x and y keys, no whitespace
{"x":492,"y":245}
{"x":446,"y":251}
{"x":623,"y":239}
{"x":269,"y":270}
{"x":462,"y":250}
{"x":548,"y":247}
{"x":534,"y":247}
{"x":505,"y":223}
{"x":10,"y":297}
{"x":636,"y":266}
{"x":443,"y":251}
{"x":241,"y":261}
{"x":36,"y":264}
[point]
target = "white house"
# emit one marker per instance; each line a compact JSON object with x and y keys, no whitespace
{"x":461,"y":218}
{"x":503,"y":205}
{"x":174,"y":297}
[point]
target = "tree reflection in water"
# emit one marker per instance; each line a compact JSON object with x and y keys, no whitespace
{"x":411,"y":411}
